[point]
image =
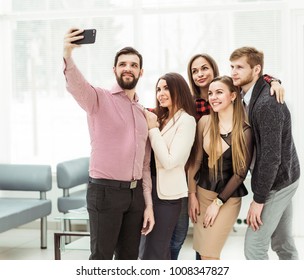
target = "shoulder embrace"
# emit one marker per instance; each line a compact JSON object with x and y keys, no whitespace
{"x":266,"y":103}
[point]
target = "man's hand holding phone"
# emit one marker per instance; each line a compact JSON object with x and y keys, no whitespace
{"x":89,"y":36}
{"x":75,"y":37}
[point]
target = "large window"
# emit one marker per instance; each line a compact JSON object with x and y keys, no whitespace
{"x":45,"y":125}
{"x":39,"y":120}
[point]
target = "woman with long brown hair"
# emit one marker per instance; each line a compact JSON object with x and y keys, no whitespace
{"x":172,"y":131}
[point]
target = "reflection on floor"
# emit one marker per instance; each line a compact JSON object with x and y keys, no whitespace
{"x":24,"y":244}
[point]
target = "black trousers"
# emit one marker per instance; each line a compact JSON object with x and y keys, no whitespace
{"x":157,"y":242}
{"x":116,"y":219}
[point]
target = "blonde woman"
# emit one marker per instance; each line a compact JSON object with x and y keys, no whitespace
{"x":221,"y":165}
{"x":202,"y":69}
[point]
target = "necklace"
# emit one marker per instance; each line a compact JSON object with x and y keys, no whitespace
{"x":227,"y":131}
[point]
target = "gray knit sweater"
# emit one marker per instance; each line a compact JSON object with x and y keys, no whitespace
{"x":277,"y":164}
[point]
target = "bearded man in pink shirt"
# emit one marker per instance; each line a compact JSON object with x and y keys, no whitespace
{"x":119,"y":193}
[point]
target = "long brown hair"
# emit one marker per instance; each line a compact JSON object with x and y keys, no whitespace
{"x":180,"y":95}
{"x":238,"y":143}
{"x":181,"y":99}
{"x":195,"y":90}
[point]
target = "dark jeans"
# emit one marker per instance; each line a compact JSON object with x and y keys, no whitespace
{"x":180,"y":231}
{"x":116,"y":218}
{"x":166,"y":213}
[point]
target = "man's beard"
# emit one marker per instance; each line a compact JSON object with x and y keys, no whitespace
{"x":127,"y":85}
{"x":247,"y":80}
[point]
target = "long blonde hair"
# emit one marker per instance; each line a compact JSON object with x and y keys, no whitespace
{"x":238,"y":143}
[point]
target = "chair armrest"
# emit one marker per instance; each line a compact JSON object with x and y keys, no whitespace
{"x":25,"y":177}
{"x":73,"y":173}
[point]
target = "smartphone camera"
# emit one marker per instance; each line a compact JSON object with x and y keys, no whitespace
{"x":89,"y":37}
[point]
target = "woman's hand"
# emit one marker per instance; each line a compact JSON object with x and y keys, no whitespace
{"x":151,"y":119}
{"x":211,"y":214}
{"x":193,"y":207}
{"x":277,"y":89}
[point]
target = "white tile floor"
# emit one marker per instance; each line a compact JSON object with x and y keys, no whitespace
{"x":24,"y":244}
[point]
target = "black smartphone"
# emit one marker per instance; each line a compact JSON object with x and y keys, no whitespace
{"x":89,"y":37}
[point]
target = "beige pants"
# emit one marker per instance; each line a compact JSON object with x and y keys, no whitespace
{"x":209,"y":242}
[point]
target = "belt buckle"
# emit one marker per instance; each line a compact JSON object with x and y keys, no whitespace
{"x":133,"y":184}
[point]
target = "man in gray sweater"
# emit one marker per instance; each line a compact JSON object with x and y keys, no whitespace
{"x":276,"y":169}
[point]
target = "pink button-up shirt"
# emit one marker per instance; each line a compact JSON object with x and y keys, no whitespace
{"x":120,"y":149}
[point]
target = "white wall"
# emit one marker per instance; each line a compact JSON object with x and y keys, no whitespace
{"x":294,"y":60}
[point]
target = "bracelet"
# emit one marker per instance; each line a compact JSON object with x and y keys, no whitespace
{"x":218,"y":202}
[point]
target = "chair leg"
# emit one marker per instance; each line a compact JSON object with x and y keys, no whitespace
{"x":88,"y":226}
{"x":43,"y":232}
{"x":67,"y":227}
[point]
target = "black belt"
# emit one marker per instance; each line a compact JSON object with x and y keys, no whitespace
{"x":116,"y":183}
